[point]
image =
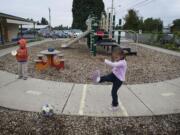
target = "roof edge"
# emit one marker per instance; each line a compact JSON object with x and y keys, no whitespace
{"x":15,"y":17}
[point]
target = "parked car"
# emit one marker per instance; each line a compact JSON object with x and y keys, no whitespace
{"x":53,"y":35}
{"x":61,"y":34}
{"x":76,"y":33}
{"x":44,"y":32}
{"x":65,"y":34}
{"x":69,"y":33}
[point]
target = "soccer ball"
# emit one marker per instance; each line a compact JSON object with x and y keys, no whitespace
{"x":47,"y":110}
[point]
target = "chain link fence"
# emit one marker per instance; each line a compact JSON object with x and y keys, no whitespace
{"x":168,"y":41}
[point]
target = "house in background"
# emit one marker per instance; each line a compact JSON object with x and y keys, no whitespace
{"x":166,"y":29}
{"x":36,"y":27}
{"x":175,"y":28}
{"x":9,"y":27}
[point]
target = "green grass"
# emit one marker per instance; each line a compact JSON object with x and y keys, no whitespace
{"x":168,"y":46}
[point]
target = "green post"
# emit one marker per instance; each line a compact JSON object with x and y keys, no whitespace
{"x":109,"y":21}
{"x":94,"y":46}
{"x":119,"y":33}
{"x":93,"y":37}
{"x":114,"y":21}
{"x":119,"y":37}
{"x":89,"y":41}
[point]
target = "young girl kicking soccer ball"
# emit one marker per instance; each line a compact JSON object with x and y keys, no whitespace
{"x":117,"y":77}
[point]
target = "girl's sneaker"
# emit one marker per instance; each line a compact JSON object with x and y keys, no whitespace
{"x":19,"y":77}
{"x":25,"y":78}
{"x":114,"y":108}
{"x":96,"y":76}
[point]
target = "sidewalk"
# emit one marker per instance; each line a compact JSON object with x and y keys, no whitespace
{"x":91,"y":100}
{"x":88,"y":99}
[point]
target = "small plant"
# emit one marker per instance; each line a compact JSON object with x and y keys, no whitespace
{"x":171,"y":47}
{"x":177,"y":34}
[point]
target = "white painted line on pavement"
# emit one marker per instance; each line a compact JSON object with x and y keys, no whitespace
{"x":124,"y":111}
{"x":83,"y":97}
{"x":167,"y":94}
{"x":37,"y":93}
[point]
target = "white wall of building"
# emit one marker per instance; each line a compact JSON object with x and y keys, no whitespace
{"x":13,"y":30}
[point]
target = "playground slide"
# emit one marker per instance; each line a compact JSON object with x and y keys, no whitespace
{"x":76,"y":39}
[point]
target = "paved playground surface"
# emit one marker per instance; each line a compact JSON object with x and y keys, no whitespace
{"x":88,"y":99}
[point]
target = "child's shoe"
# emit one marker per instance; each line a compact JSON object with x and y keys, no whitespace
{"x":114,"y":108}
{"x":96,"y":76}
{"x":19,"y":77}
{"x":25,"y":78}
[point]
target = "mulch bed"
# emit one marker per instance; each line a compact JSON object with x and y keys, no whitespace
{"x":149,"y":66}
{"x":29,"y":123}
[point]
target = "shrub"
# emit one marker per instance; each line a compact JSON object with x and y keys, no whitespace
{"x":171,"y":46}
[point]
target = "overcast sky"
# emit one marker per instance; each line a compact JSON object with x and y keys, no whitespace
{"x":167,"y":10}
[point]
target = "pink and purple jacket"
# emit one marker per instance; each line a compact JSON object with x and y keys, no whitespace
{"x":119,"y":68}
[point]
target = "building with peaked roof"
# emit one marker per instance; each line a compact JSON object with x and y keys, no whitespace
{"x":9,"y":27}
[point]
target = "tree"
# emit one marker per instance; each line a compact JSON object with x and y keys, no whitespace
{"x":133,"y":21}
{"x":44,"y":21}
{"x":30,"y":19}
{"x":82,"y":9}
{"x":176,"y":25}
{"x":141,"y":24}
{"x":153,"y":25}
{"x":38,"y":23}
{"x":61,"y":27}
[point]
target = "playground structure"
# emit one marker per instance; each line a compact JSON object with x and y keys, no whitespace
{"x":102,"y":33}
{"x":76,"y":39}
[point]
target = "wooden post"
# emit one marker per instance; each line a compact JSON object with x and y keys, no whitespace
{"x":1,"y":31}
{"x":21,"y":31}
{"x":5,"y":30}
{"x":34,"y":30}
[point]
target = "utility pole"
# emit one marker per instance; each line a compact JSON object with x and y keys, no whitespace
{"x":49,"y":19}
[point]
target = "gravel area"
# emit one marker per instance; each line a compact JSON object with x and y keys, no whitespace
{"x":149,"y":66}
{"x":29,"y":123}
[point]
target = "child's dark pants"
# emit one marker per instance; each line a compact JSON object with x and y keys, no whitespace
{"x":116,"y":85}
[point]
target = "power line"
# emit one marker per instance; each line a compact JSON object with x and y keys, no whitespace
{"x":145,"y":4}
{"x":139,"y":3}
{"x":130,"y":3}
